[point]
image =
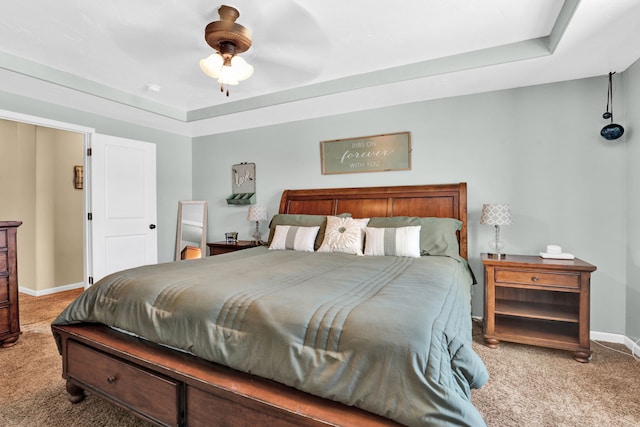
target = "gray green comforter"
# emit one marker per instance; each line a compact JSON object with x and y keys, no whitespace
{"x":390,"y":335}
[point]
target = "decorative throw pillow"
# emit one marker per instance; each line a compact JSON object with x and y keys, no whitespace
{"x":400,"y":241}
{"x":301,"y":220}
{"x":344,"y":235}
{"x":294,"y":238}
{"x":437,"y":235}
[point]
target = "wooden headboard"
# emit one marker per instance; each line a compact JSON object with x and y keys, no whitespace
{"x":439,"y":200}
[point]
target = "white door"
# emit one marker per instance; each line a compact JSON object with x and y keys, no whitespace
{"x":123,"y":204}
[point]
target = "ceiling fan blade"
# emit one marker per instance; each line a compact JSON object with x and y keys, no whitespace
{"x":275,"y":71}
{"x":289,"y":45}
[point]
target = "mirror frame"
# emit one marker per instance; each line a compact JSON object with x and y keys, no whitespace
{"x":203,"y":241}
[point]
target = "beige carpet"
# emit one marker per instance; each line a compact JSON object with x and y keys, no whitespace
{"x":529,"y":386}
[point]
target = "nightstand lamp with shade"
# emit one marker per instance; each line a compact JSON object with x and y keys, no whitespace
{"x":257,"y":214}
{"x":496,"y":215}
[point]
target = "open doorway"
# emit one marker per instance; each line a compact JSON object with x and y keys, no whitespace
{"x":119,"y":212}
{"x":40,"y":162}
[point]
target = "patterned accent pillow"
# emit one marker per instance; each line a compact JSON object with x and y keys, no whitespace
{"x":400,"y":241}
{"x":344,"y":235}
{"x":294,"y":238}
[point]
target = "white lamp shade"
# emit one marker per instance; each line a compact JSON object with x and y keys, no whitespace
{"x":257,"y":213}
{"x":214,"y":67}
{"x":495,"y":214}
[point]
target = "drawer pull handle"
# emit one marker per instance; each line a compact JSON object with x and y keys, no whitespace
{"x":112,"y":379}
{"x":534,"y":279}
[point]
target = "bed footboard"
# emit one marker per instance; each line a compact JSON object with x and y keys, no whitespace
{"x":171,"y":388}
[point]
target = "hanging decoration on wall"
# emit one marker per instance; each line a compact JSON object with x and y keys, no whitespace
{"x":612,"y":130}
{"x":78,"y":177}
{"x":243,"y":184}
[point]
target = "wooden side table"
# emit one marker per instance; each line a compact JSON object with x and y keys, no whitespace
{"x":538,"y":301}
{"x":217,"y":248}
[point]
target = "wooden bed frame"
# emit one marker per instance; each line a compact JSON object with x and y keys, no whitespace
{"x":172,"y":388}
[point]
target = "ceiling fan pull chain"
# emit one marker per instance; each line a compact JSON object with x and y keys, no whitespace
{"x":610,"y":94}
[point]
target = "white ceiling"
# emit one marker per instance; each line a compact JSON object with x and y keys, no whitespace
{"x":311,"y":58}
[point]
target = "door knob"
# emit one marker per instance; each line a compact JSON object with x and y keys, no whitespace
{"x":152,"y":226}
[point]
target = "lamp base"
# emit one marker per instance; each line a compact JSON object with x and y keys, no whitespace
{"x":497,"y":255}
{"x":257,"y":234}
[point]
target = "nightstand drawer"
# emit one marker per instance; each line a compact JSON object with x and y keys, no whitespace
{"x":533,"y":277}
{"x":154,"y":396}
{"x":219,"y":248}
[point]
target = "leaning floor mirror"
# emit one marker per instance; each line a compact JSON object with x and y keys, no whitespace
{"x":191,"y":237}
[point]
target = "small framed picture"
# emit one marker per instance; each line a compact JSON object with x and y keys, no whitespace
{"x":78,"y":177}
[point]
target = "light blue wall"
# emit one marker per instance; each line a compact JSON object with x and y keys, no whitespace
{"x":536,"y":148}
{"x":632,"y":84}
{"x":173,"y":157}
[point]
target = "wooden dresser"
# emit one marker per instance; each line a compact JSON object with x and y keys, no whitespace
{"x":544,"y":302}
{"x":9,"y":319}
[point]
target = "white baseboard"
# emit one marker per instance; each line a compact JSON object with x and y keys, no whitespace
{"x":633,"y":346}
{"x":50,"y":291}
{"x":606,"y":337}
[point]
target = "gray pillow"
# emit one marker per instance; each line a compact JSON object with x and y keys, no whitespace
{"x":301,"y":220}
{"x":437,"y":235}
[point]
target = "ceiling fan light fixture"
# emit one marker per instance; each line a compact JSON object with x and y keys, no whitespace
{"x":238,"y":69}
{"x":212,"y":65}
{"x":228,"y":39}
{"x":241,"y":68}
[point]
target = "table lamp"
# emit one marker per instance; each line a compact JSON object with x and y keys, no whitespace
{"x":257,"y":214}
{"x":496,"y":215}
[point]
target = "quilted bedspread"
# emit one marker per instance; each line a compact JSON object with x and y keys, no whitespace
{"x":391,"y":335}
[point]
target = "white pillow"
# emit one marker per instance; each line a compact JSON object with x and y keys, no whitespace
{"x":344,"y":235}
{"x":295,"y":238}
{"x":400,"y":241}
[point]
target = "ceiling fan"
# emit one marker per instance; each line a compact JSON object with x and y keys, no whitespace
{"x":289,"y":46}
{"x":228,"y":39}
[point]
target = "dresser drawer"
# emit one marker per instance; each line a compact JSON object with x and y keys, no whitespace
{"x":4,"y":289}
{"x":5,"y":320}
{"x":4,"y":262}
{"x":152,"y":395}
{"x":533,"y":277}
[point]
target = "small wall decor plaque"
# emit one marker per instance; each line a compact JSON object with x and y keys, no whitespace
{"x":78,"y":177}
{"x":243,"y":184}
{"x":376,"y":153}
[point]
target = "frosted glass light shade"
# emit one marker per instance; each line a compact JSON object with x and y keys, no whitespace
{"x":214,"y":67}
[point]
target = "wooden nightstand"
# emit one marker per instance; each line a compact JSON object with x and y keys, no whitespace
{"x":217,"y":248}
{"x":532,"y":300}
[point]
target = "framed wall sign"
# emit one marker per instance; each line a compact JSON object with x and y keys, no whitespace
{"x":376,"y":153}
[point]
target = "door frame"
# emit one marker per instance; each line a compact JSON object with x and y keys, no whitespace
{"x":87,"y":135}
